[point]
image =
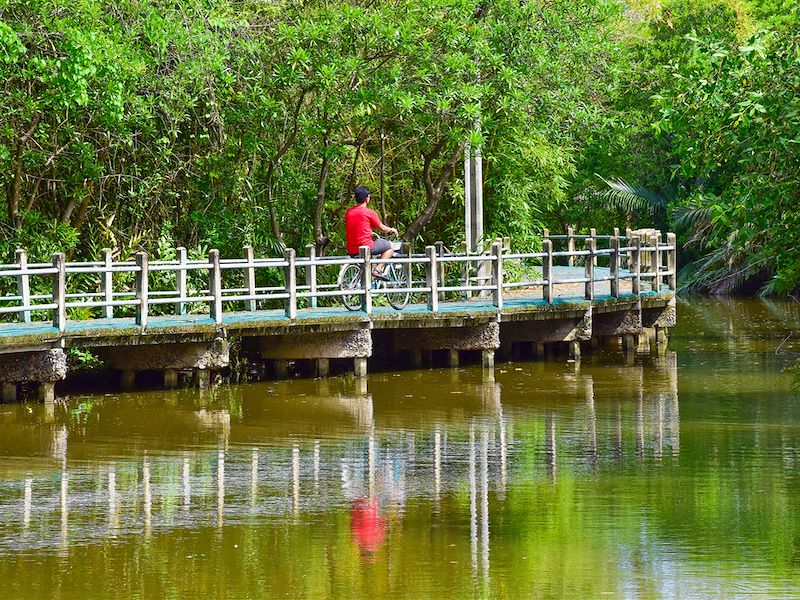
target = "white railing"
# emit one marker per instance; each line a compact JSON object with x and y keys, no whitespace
{"x":438,"y":274}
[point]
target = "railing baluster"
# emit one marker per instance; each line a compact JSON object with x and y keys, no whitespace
{"x":365,"y":253}
{"x":593,"y":235}
{"x":497,"y":274}
{"x":614,"y":265}
{"x":60,"y":292}
{"x":249,"y":278}
{"x":654,"y":240}
{"x":311,"y":273}
{"x":465,"y":269}
{"x":672,"y":261}
{"x":180,"y":278}
{"x":215,"y":286}
{"x":406,"y":250}
{"x":431,"y":276}
{"x":547,"y":271}
{"x":440,"y":266}
{"x":571,"y":246}
{"x":142,"y":290}
{"x":108,"y":283}
{"x":290,"y":280}
{"x":589,"y":268}
{"x":24,"y":285}
{"x":636,"y":263}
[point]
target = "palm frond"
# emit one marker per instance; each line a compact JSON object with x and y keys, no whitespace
{"x":634,"y":198}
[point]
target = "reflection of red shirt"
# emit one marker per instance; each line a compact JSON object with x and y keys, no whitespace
{"x":359,"y":221}
{"x":367,"y":525}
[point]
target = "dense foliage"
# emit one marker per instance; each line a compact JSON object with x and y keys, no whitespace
{"x":214,"y":123}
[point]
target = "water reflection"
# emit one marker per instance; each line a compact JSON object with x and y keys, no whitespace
{"x":389,"y":453}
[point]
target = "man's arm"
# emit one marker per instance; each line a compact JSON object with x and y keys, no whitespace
{"x":387,"y":229}
{"x":375,"y":221}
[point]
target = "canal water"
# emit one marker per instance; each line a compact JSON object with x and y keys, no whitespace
{"x":671,"y":476}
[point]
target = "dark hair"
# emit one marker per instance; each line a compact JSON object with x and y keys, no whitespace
{"x":361,"y":193}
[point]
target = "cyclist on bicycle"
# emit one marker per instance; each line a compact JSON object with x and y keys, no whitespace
{"x":359,"y":221}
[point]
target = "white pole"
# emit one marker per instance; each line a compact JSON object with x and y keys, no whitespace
{"x":467,"y":200}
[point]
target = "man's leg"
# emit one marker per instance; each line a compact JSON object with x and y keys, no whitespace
{"x":384,"y":247}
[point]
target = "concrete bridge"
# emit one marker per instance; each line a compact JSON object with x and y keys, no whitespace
{"x":180,"y":315}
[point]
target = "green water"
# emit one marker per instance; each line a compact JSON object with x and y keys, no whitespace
{"x":671,"y":477}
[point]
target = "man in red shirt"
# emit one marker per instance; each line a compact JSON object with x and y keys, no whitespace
{"x":359,"y":221}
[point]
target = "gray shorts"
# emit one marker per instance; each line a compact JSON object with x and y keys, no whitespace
{"x":380,"y":246}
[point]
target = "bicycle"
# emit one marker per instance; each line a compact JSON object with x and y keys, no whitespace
{"x":396,"y":276}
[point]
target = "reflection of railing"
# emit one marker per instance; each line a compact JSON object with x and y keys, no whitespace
{"x":213,"y":285}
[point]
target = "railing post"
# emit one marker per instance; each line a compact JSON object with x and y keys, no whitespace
{"x":290,"y":280}
{"x":593,"y":235}
{"x":571,"y":246}
{"x":311,"y":273}
{"x":497,"y":274}
{"x":108,"y":283}
{"x":431,"y":273}
{"x":24,"y":285}
{"x":180,"y":278}
{"x":60,"y":292}
{"x":142,"y":290}
{"x":614,"y":264}
{"x":545,"y":233}
{"x":405,"y":249}
{"x":655,"y":242}
{"x":215,"y":286}
{"x":250,"y":278}
{"x":465,"y":269}
{"x":365,"y":253}
{"x":589,"y":269}
{"x":440,"y":266}
{"x":672,"y":261}
{"x":636,"y":282}
{"x":547,"y":271}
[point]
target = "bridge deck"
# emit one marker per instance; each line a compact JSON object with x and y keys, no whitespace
{"x":26,"y":334}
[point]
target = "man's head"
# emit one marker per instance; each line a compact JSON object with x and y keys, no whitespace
{"x":361,"y":194}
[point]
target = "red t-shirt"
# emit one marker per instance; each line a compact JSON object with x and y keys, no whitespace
{"x":359,"y":222}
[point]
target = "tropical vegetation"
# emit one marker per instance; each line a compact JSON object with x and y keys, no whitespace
{"x":146,"y":124}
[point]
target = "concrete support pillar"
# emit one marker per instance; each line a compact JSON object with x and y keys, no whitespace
{"x":9,"y":391}
{"x":203,"y":378}
{"x":415,"y":358}
{"x":127,"y":379}
{"x":662,"y":335}
{"x":47,"y":391}
{"x":361,"y":386}
{"x":360,"y":366}
{"x":170,"y":378}
{"x":427,"y":358}
{"x":453,"y":358}
{"x":539,"y":349}
{"x":596,"y":342}
{"x":629,"y":342}
{"x":323,"y":367}
{"x":575,"y":350}
{"x":487,"y":359}
{"x":280,"y":369}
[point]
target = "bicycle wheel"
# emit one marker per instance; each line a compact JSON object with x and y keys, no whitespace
{"x":398,"y":278}
{"x":350,"y":281}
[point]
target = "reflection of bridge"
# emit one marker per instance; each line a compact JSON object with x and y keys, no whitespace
{"x":97,"y":478}
{"x":463,"y":302}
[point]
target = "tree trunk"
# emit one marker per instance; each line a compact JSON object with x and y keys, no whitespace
{"x":434,"y":189}
{"x":320,"y":239}
{"x":273,"y":217}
